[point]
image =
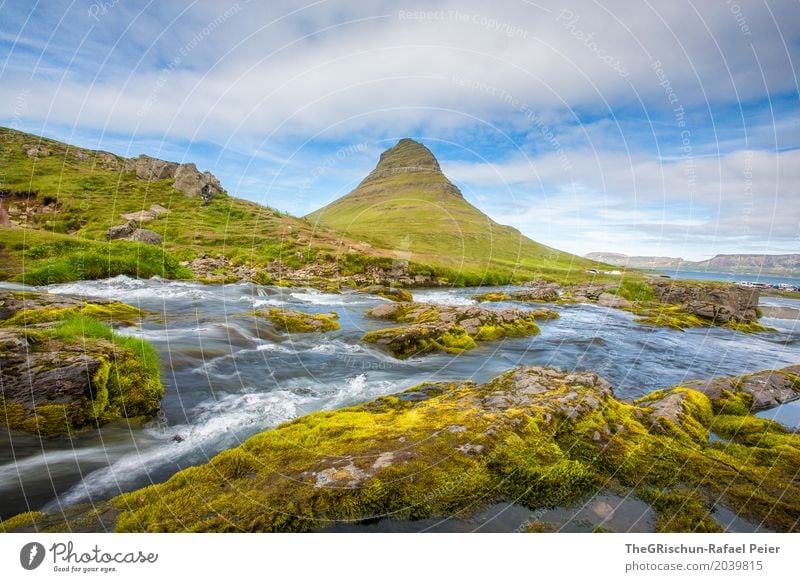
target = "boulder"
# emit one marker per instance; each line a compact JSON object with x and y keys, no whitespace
{"x":717,"y":303}
{"x":428,"y":328}
{"x":151,"y":169}
{"x":140,"y":216}
{"x":148,"y":237}
{"x":122,"y":231}
{"x":615,"y":301}
{"x":195,"y":184}
{"x":290,"y":320}
{"x":51,"y":385}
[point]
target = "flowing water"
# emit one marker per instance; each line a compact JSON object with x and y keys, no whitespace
{"x":229,"y":375}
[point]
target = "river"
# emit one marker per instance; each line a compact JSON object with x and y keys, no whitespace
{"x":229,"y":375}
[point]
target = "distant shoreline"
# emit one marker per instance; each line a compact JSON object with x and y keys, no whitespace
{"x":728,"y":277}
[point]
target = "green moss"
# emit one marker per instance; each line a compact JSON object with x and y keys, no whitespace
{"x":455,"y":341}
{"x":25,"y":520}
{"x":541,"y":437}
{"x":397,"y":295}
{"x":112,"y":312}
{"x":126,"y":383}
{"x":494,"y":297}
{"x":748,"y":327}
{"x":737,"y":404}
{"x":680,"y":511}
{"x":671,"y":316}
{"x":298,"y":322}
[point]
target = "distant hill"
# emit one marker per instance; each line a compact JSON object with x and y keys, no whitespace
{"x":736,"y":264}
{"x":643,"y":262}
{"x":57,"y":203}
{"x":407,"y":207}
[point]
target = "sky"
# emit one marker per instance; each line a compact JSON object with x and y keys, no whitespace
{"x":646,"y":128}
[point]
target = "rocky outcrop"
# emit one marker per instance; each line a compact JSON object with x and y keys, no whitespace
{"x":586,"y":291}
{"x":148,"y":237}
{"x":761,"y":390}
{"x":35,"y":151}
{"x":150,"y":169}
{"x":292,"y":321}
{"x":131,"y":231}
{"x":122,"y":231}
{"x":187,"y":178}
{"x":390,"y":293}
{"x":193,"y":183}
{"x":615,"y":301}
{"x":219,"y":269}
{"x":542,"y":437}
{"x":537,"y":292}
{"x":455,"y":329}
{"x":717,"y":303}
{"x":58,"y":374}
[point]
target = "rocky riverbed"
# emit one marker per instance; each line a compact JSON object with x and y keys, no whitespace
{"x":231,"y":372}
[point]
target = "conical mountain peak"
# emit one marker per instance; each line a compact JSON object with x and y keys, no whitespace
{"x":407,"y":157}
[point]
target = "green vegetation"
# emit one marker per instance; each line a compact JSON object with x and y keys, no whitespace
{"x":407,"y":205}
{"x":75,"y":345}
{"x":22,"y":520}
{"x":541,"y":437}
{"x":112,"y":312}
{"x":491,"y":297}
{"x":675,"y":317}
{"x":431,"y":328}
{"x":298,"y":322}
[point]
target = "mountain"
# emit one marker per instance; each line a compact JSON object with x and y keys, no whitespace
{"x":736,"y":264}
{"x":777,"y":264}
{"x":636,"y":262}
{"x":407,"y":207}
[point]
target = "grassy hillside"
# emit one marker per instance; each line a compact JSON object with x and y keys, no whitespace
{"x":58,"y":201}
{"x":80,"y":193}
{"x":409,"y":208}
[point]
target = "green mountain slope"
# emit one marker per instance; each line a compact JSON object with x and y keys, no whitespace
{"x":58,"y":201}
{"x":407,"y":207}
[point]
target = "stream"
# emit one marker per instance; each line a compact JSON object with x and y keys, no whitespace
{"x":228,"y":376}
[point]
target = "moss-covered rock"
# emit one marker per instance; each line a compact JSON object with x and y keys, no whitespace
{"x":453,"y":329}
{"x":63,"y":368}
{"x":390,"y":293}
{"x":539,"y":436}
{"x":24,"y":308}
{"x":535,"y":292}
{"x":292,"y":321}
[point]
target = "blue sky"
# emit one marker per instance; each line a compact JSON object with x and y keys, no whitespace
{"x":645,"y":128}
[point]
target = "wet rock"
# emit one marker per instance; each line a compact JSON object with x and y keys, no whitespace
{"x":293,"y":321}
{"x":767,"y":389}
{"x":586,"y":292}
{"x":718,"y":303}
{"x":528,"y":435}
{"x":614,"y":301}
{"x":51,"y":385}
{"x":391,"y":293}
{"x":455,"y":329}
